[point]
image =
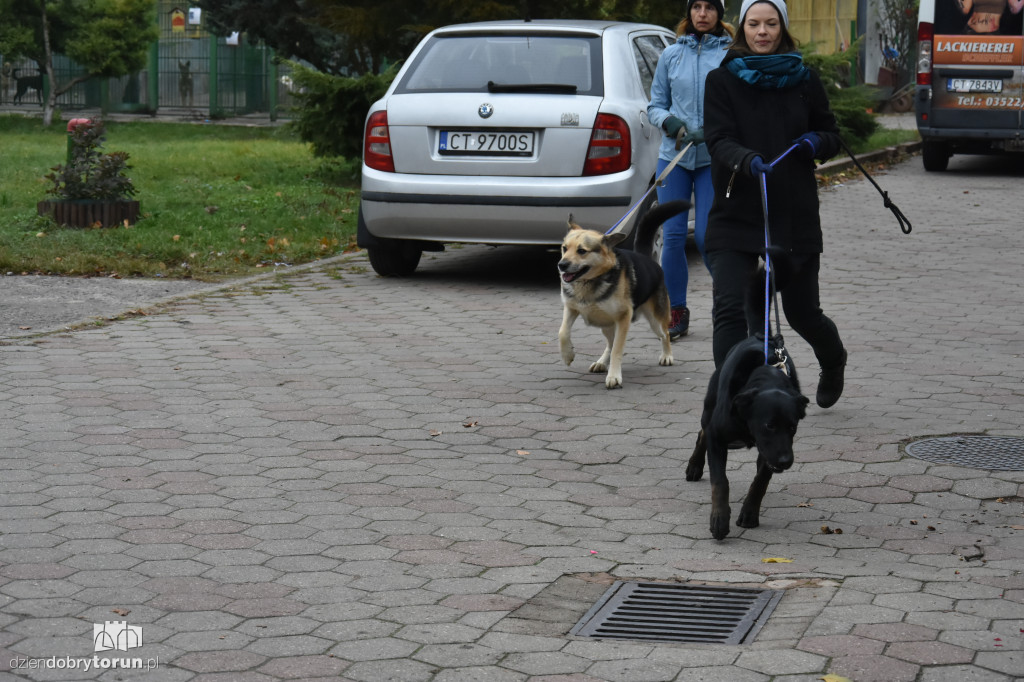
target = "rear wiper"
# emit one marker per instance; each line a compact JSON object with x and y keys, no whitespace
{"x":551,"y":88}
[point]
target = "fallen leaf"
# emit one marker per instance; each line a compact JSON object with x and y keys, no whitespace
{"x":913,"y":523}
{"x":1017,"y":527}
{"x":805,"y":504}
{"x":121,"y":612}
{"x":835,"y":678}
{"x":434,"y":432}
{"x":776,"y":560}
{"x":826,"y":530}
{"x":522,"y":452}
{"x":24,"y":328}
{"x":468,"y":424}
{"x":176,"y":237}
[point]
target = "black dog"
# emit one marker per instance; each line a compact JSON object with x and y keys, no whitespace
{"x":26,"y":83}
{"x":753,"y":403}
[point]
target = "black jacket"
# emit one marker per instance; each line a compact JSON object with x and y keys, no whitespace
{"x":741,"y":121}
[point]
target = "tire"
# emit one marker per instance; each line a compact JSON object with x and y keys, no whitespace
{"x":901,"y":104}
{"x":394,"y":257}
{"x":935,"y":156}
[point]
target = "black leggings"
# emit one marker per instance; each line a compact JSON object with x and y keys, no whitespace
{"x":731,"y":272}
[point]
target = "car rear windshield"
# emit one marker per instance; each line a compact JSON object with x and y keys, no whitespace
{"x":501,"y":62}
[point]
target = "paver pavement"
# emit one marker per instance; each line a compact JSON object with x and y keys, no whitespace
{"x":336,"y":476}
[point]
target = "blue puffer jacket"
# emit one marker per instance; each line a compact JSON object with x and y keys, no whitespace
{"x":678,"y":90}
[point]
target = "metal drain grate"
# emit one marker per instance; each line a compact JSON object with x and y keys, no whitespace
{"x":671,"y":612}
{"x":978,"y":452}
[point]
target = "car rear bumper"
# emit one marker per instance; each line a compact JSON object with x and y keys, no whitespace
{"x":492,"y":210}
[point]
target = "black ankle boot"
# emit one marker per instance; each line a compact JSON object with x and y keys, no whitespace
{"x":830,"y":383}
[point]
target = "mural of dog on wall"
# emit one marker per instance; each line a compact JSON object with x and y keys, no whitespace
{"x":185,"y":81}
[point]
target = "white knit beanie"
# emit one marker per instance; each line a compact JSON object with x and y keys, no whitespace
{"x":779,"y":5}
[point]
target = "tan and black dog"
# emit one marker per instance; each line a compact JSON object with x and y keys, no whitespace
{"x":609,"y":288}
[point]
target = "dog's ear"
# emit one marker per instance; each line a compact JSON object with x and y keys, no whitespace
{"x":802,"y":403}
{"x":742,"y":402}
{"x":614,"y":239}
{"x":572,"y":224}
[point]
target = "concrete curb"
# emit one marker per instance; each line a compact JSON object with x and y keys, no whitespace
{"x":888,"y":154}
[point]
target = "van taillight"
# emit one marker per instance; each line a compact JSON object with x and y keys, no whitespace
{"x":377,"y":143}
{"x":925,"y":35}
{"x":610,"y":147}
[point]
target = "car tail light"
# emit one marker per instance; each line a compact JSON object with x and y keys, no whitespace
{"x":610,"y":146}
{"x":925,"y":35}
{"x":377,"y":143}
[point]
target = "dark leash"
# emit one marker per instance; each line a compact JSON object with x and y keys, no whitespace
{"x":886,"y":201}
{"x":770,"y":291}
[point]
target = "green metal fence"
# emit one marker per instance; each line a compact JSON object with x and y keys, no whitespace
{"x":189,"y":71}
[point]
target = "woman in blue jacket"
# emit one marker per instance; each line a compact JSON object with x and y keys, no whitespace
{"x":677,"y":107}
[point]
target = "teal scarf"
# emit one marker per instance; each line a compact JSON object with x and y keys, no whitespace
{"x":770,"y":71}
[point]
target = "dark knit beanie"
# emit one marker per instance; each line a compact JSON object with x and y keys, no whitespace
{"x":717,"y":4}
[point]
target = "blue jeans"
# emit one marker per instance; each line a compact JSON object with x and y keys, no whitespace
{"x":680,"y":184}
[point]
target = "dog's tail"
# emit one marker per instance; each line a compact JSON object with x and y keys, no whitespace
{"x":782,"y":268}
{"x":648,"y":226}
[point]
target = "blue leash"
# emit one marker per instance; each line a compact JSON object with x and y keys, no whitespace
{"x":769,"y":274}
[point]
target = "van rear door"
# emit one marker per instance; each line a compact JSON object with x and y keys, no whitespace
{"x":971,"y":100}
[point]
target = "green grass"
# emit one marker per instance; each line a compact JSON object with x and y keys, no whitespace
{"x":883,"y":138}
{"x":216,"y":201}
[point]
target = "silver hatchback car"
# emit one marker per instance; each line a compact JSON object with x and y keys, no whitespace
{"x":495,"y":132}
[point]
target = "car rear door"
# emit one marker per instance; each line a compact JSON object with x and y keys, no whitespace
{"x":498,"y":104}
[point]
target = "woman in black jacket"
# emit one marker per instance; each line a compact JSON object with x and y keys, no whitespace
{"x":758,"y":104}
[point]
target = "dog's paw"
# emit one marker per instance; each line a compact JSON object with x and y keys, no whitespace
{"x":568,"y":355}
{"x":613,"y":381}
{"x":598,"y":367}
{"x":665,"y":360}
{"x":719,"y":525}
{"x":694,"y":472}
{"x":748,"y":519}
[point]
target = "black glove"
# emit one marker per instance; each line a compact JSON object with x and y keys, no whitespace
{"x":808,"y":145}
{"x":758,"y":166}
{"x":672,"y":126}
{"x":696,"y":136}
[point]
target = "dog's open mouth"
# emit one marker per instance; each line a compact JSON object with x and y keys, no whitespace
{"x":570,"y":276}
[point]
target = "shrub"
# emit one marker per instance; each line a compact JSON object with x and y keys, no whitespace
{"x":850,"y":104}
{"x":89,"y":173}
{"x":332,"y":109}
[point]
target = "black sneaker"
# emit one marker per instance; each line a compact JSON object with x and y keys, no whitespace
{"x":830,"y":383}
{"x":680,"y":322}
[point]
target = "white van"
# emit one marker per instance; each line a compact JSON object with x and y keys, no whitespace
{"x":969,"y":97}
